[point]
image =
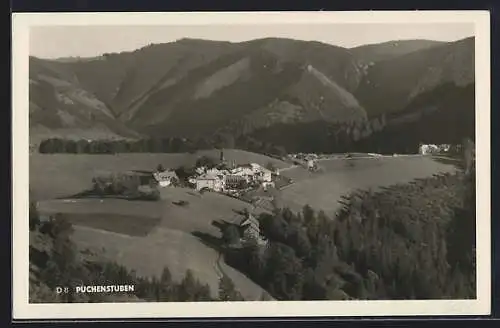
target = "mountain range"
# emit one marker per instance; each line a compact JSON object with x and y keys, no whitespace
{"x":195,"y":88}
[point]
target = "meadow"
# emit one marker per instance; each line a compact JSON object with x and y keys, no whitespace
{"x":139,"y":226}
{"x":148,"y":256}
{"x":172,"y":242}
{"x":147,"y":236}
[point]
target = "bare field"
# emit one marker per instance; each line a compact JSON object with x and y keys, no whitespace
{"x":322,"y":191}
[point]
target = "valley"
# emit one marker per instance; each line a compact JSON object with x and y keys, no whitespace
{"x":162,"y":109}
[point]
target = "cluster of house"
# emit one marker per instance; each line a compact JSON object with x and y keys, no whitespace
{"x":425,"y":149}
{"x":230,"y":179}
{"x":222,"y":178}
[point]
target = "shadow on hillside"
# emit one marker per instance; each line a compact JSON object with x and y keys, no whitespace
{"x":209,"y":240}
{"x":91,"y":194}
{"x":82,"y":194}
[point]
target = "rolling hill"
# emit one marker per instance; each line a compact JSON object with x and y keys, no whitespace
{"x":392,"y":84}
{"x":61,"y":106}
{"x":194,"y":88}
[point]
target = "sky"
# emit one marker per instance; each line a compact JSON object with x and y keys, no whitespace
{"x":89,"y":41}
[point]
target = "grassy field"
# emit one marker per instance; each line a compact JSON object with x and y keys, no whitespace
{"x":149,"y":255}
{"x":146,"y":236}
{"x":339,"y":177}
{"x":124,"y":224}
{"x":96,"y":206}
{"x":201,"y":212}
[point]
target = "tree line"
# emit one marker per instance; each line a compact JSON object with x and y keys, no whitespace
{"x":55,"y":261}
{"x":371,"y":135}
{"x":156,"y":145}
{"x":410,"y":241}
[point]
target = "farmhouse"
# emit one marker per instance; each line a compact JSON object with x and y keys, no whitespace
{"x":265,"y":175}
{"x":166,"y":178}
{"x":428,"y":149}
{"x":253,"y":172}
{"x":211,"y":182}
{"x":245,"y":171}
{"x":434,"y":149}
{"x":250,"y":229}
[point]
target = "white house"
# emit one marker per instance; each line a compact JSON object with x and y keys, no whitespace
{"x":428,"y":149}
{"x":244,"y":171}
{"x":261,"y":173}
{"x":211,"y":182}
{"x":265,"y":175}
{"x":166,"y":178}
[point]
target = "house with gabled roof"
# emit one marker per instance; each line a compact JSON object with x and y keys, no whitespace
{"x":209,"y":181}
{"x":250,"y":229}
{"x":166,"y":178}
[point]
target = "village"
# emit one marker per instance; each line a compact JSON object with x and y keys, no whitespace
{"x":231,"y":179}
{"x":223,"y":177}
{"x":235,"y":180}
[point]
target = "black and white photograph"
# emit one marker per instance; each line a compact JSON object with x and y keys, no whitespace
{"x":251,"y":164}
